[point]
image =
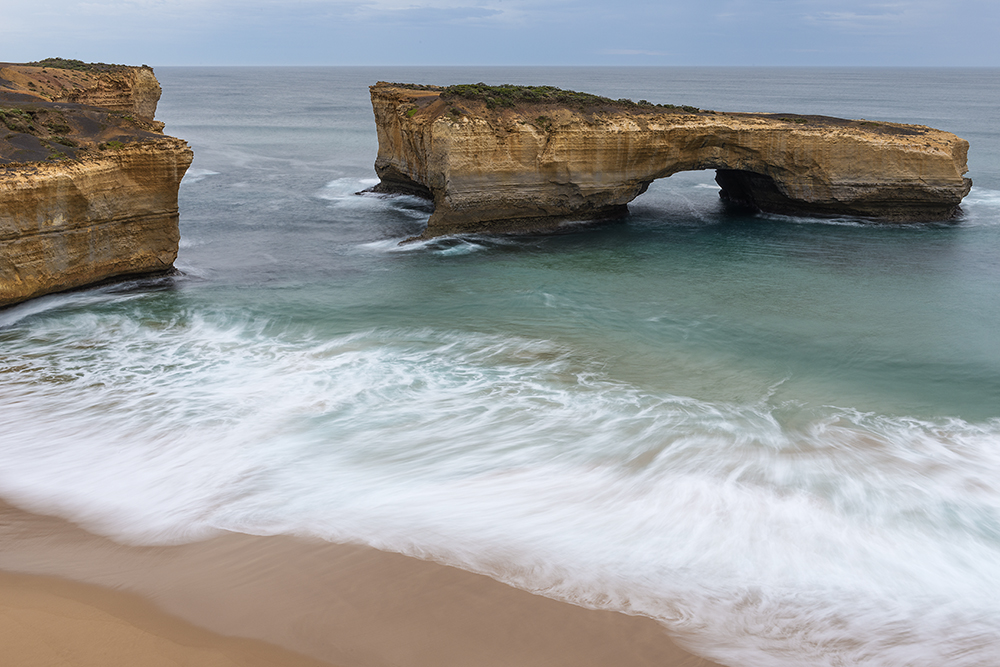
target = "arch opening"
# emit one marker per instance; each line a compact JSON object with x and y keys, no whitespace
{"x":748,"y":189}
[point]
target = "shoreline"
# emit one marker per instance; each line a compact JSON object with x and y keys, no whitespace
{"x":344,"y":605}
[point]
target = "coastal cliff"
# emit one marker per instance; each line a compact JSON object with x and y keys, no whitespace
{"x":88,"y":181}
{"x":132,"y":90}
{"x":499,"y":159}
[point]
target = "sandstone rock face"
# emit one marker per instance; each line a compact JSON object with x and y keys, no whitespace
{"x":133,"y":90}
{"x":136,"y":91}
{"x":532,"y":166}
{"x":86,"y":194}
{"x":69,"y":224}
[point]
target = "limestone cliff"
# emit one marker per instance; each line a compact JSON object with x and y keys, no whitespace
{"x":132,"y":90}
{"x":532,"y":164}
{"x":87,"y":193}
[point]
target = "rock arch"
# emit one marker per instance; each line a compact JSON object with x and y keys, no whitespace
{"x":533,"y":166}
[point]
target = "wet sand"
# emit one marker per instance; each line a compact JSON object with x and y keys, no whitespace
{"x":343,"y":605}
{"x":48,"y":622}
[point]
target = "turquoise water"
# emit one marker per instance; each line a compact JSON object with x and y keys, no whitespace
{"x":778,"y":436}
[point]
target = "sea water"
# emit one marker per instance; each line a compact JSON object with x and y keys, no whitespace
{"x":778,"y":436}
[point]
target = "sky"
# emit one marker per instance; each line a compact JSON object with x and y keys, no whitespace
{"x":505,"y":32}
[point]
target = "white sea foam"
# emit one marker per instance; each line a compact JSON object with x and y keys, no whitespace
{"x":982,"y":197}
{"x":442,"y":245}
{"x":195,"y":175}
{"x":980,"y":208}
{"x":829,"y":537}
{"x":341,"y":188}
{"x":15,"y":314}
{"x":462,"y":247}
{"x":844,"y":221}
{"x":348,"y":194}
{"x":387,"y":245}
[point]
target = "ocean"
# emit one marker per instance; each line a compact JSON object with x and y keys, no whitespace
{"x":777,"y":436}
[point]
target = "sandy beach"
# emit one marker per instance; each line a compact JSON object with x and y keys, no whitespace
{"x":48,"y":622}
{"x":69,"y":597}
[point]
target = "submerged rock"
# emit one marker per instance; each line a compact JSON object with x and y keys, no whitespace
{"x":502,"y":159}
{"x":88,"y":180}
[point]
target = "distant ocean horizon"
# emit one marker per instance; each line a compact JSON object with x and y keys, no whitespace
{"x":778,"y":436}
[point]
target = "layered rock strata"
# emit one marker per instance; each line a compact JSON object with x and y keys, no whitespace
{"x":132,"y":90}
{"x":491,"y":168}
{"x":87,"y":193}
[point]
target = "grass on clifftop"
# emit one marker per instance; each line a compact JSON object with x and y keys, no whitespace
{"x":510,"y":95}
{"x":76,"y":65}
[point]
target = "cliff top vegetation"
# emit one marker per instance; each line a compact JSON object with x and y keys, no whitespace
{"x":77,"y":65}
{"x":511,"y":95}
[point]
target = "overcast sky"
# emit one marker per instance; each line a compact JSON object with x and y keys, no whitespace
{"x":505,"y":32}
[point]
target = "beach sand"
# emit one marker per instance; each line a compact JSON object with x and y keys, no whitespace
{"x":70,"y":597}
{"x":51,"y":622}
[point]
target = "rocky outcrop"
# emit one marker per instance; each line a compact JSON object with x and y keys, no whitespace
{"x":533,"y":164}
{"x":67,"y":224}
{"x":86,"y":193}
{"x":131,"y":90}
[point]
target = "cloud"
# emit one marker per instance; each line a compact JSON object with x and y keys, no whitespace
{"x":874,"y":17}
{"x":145,"y":8}
{"x":455,"y":11}
{"x":632,"y":52}
{"x":896,"y":17}
{"x":424,"y":13}
{"x":583,"y":32}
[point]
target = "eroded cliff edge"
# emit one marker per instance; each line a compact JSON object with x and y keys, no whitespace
{"x":495,"y":165}
{"x":88,"y":180}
